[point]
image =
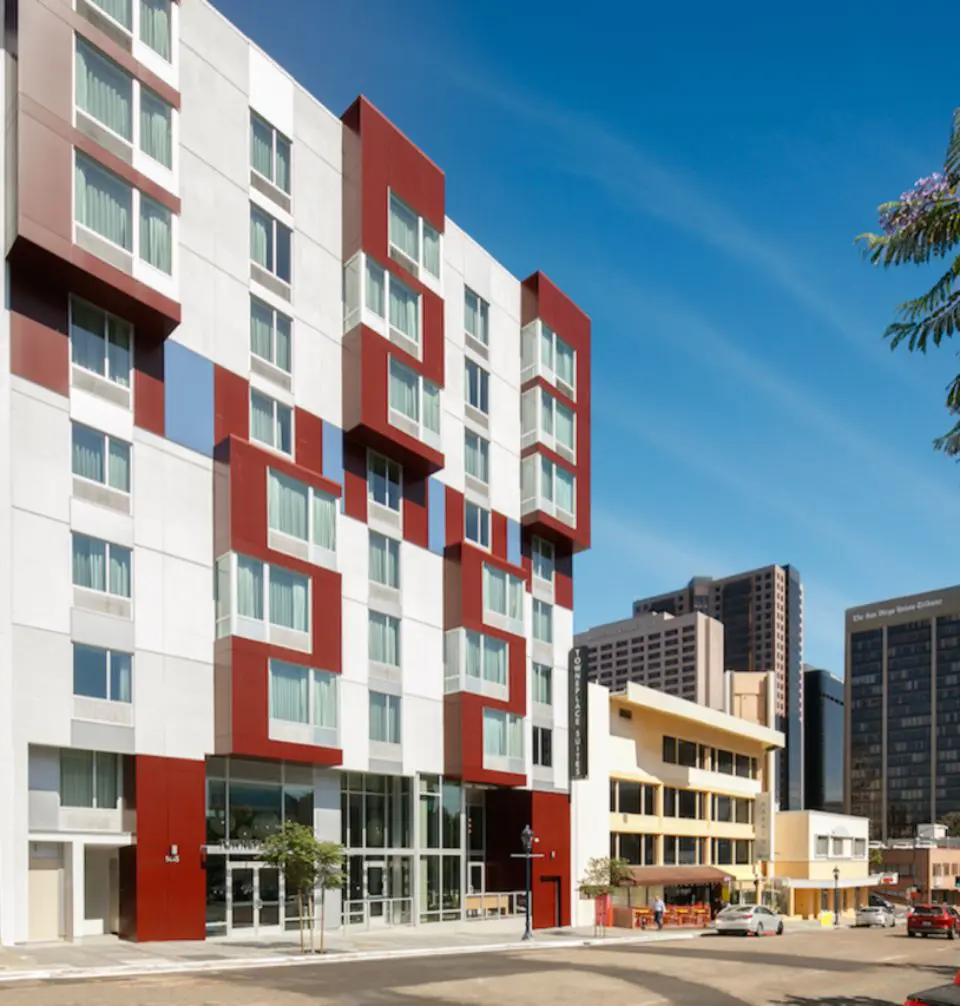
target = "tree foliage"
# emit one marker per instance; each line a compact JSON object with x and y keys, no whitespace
{"x":308,"y":864}
{"x":922,"y":227}
{"x":603,"y":876}
{"x":952,"y":823}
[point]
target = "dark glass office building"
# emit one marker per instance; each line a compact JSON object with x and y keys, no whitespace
{"x":902,"y":691}
{"x":823,"y":733}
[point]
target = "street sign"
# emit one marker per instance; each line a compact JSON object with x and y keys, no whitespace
{"x":578,"y":668}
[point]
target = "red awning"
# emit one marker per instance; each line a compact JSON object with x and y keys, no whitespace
{"x":681,"y":876}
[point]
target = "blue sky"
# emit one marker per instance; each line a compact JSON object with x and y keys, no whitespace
{"x":694,"y":181}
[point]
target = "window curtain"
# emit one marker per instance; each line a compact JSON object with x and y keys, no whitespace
{"x":546,"y":347}
{"x":494,"y":734}
{"x":261,"y":418}
{"x":393,"y":719}
{"x":104,"y":91}
{"x":283,"y":163}
{"x":542,"y":622}
{"x":121,"y":677}
{"x":119,"y":10}
{"x":384,"y":560}
{"x":261,"y":239}
{"x":104,"y":204}
{"x":261,"y":147}
{"x":404,"y":227}
{"x":288,"y":692}
{"x":155,"y":26}
{"x":542,"y":561}
{"x":324,"y":521}
{"x":89,"y":563}
{"x":156,"y":128}
{"x":564,"y":362}
{"x":404,"y":304}
{"x":324,"y":699}
{"x":495,"y":660}
{"x":249,"y":588}
{"x":515,"y":599}
{"x":288,"y":599}
{"x":119,"y":571}
{"x":89,"y":671}
{"x":88,"y":347}
{"x":473,"y":655}
{"x":118,"y":351}
{"x":287,"y":502}
{"x":476,"y":457}
{"x":431,"y":407}
{"x":564,"y":490}
{"x":470,"y":312}
{"x":76,"y":778}
{"x":495,"y":590}
{"x":261,"y":330}
{"x":565,"y":426}
{"x":373,"y":292}
{"x":88,"y":454}
{"x":528,"y":414}
{"x":106,"y":778}
{"x":431,"y":250}
{"x":119,"y":474}
{"x":156,"y":239}
{"x":284,"y":440}
{"x":378,"y":716}
{"x":284,"y":238}
{"x":546,"y":412}
{"x":542,"y":680}
{"x":384,"y":639}
{"x":283,"y":337}
{"x":404,"y":391}
{"x":514,"y":737}
{"x":546,"y":479}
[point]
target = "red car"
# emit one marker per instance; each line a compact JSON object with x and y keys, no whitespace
{"x":942,"y":995}
{"x":939,"y":919}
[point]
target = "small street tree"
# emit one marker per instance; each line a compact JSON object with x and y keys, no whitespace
{"x":307,"y":864}
{"x":951,"y":822}
{"x":603,"y":876}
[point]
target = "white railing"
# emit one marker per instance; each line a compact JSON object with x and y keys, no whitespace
{"x":378,"y":912}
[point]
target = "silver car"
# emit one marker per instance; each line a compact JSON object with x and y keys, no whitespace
{"x":749,"y":919}
{"x":875,"y":915}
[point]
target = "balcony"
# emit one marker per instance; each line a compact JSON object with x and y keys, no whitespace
{"x":374,"y":297}
{"x":545,"y":355}
{"x":503,"y":742}
{"x":476,"y":663}
{"x":548,"y":488}
{"x":545,"y":420}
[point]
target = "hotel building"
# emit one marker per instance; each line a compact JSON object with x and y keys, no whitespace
{"x":292,"y":473}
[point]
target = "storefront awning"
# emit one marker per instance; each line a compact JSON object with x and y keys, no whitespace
{"x":681,"y":876}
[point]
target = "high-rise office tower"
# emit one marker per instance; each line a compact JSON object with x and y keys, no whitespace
{"x":823,"y":730}
{"x":762,"y":615}
{"x":902,"y":680}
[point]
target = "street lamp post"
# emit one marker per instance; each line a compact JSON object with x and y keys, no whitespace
{"x":836,"y":895}
{"x":526,"y":837}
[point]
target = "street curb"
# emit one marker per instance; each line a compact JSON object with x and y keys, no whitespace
{"x":165,"y":967}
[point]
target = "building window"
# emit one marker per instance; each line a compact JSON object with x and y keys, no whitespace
{"x":557,"y":360}
{"x":543,"y":684}
{"x":300,"y":511}
{"x":271,"y":423}
{"x":100,"y":342}
{"x":89,"y":779}
{"x":838,"y":849}
{"x":383,"y":634}
{"x":544,"y":559}
{"x":476,"y":387}
{"x":270,"y":335}
{"x":542,"y":621}
{"x":101,"y":458}
{"x":502,"y":734}
{"x":477,"y":456}
{"x":123,"y":105}
{"x":476,"y":524}
{"x":860,"y":848}
{"x":476,"y":316}
{"x":413,"y":242}
{"x":270,"y":244}
{"x":823,"y":846}
{"x":102,"y":674}
{"x":503,"y":595}
{"x":383,"y":482}
{"x":384,"y":718}
{"x":556,"y":420}
{"x":543,"y":747}
{"x":404,"y":310}
{"x":112,"y":209}
{"x":270,"y":593}
{"x":147,"y":20}
{"x":384,"y":560}
{"x":101,"y":566}
{"x":486,"y":658}
{"x":407,"y":388}
{"x":302,"y":695}
{"x":269,"y":153}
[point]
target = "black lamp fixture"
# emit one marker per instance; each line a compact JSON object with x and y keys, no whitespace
{"x":836,"y":895}
{"x":526,"y":838}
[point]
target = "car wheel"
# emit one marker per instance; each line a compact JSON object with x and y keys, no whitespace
{"x":911,"y":933}
{"x":952,"y":934}
{"x":780,"y":929}
{"x":759,"y":930}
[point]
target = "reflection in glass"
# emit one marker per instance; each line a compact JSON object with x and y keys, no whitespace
{"x":255,"y":810}
{"x":216,"y":811}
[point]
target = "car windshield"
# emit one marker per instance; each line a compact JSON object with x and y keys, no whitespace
{"x":737,"y":909}
{"x":928,"y":910}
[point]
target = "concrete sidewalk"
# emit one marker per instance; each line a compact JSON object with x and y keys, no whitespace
{"x":108,"y":957}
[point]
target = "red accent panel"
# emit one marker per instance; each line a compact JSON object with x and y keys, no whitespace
{"x":550,"y":820}
{"x":249,"y":700}
{"x":498,"y":535}
{"x":168,"y":900}
{"x":39,"y":340}
{"x":309,"y":445}
{"x":355,"y":481}
{"x":231,"y":405}
{"x":463,"y":740}
{"x":454,"y":517}
{"x":148,"y":394}
{"x":563,"y":579}
{"x":416,"y":520}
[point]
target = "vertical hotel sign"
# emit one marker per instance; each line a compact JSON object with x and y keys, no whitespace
{"x":578,"y":667}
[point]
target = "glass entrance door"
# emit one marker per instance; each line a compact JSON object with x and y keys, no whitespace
{"x":376,"y":891}
{"x":255,"y":891}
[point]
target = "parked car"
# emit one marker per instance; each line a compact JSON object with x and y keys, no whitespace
{"x":879,"y":901}
{"x":875,"y":915}
{"x":746,"y":919}
{"x":938,"y":919}
{"x":942,"y":995}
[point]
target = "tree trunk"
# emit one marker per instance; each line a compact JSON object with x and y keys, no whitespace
{"x":323,"y":914}
{"x":300,"y":913}
{"x":313,"y":922}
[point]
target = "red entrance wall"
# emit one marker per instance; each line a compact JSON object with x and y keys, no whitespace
{"x":162,"y":900}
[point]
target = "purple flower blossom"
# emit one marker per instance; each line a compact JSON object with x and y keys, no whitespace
{"x":914,"y":203}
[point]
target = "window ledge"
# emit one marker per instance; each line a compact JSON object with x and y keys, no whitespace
{"x":303,"y":733}
{"x":503,"y":763}
{"x":102,"y":711}
{"x":100,"y":601}
{"x":382,"y":518}
{"x":102,"y":387}
{"x":498,"y":621}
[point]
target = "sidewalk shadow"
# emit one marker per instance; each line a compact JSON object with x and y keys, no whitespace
{"x":793,"y":1000}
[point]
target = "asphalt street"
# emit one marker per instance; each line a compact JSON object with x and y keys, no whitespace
{"x":842,"y":968}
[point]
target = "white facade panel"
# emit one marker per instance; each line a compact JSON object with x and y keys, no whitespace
{"x":317,"y":380}
{"x":355,"y":710}
{"x":318,"y":129}
{"x":271,"y":92}
{"x":188,"y":707}
{"x":40,"y":455}
{"x":422,"y":647}
{"x":198,"y":284}
{"x":317,"y":285}
{"x":42,"y":686}
{"x":354,"y":635}
{"x":422,"y":735}
{"x":148,"y":598}
{"x":421,"y":581}
{"x":353,"y":558}
{"x":41,"y":572}
{"x":187,"y":610}
{"x":98,"y":414}
{"x":318,"y":200}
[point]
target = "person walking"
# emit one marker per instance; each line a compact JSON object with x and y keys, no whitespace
{"x":658,"y":910}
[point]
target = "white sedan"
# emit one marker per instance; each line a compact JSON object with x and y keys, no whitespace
{"x":746,"y":919}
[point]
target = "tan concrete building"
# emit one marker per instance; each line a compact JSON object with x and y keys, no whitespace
{"x":929,"y":871}
{"x":681,"y":655}
{"x":751,"y":696}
